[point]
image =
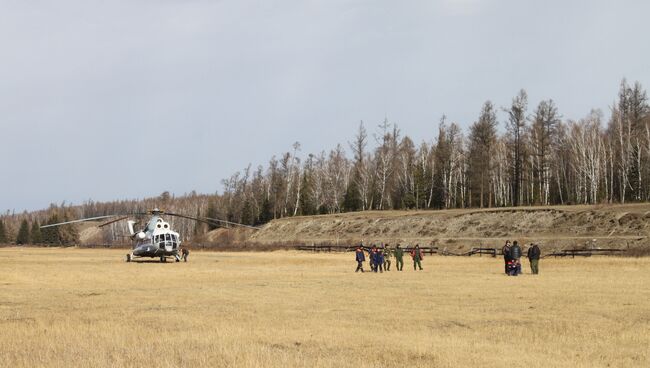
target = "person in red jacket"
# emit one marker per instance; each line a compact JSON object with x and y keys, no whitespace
{"x":417,"y":256}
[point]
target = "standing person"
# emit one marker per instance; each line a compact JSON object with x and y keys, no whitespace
{"x":417,"y":256}
{"x":515,"y":256}
{"x":533,"y":256}
{"x":506,"y":255}
{"x":387,"y":255}
{"x":379,"y":260}
{"x":360,"y":257}
{"x":371,"y":258}
{"x":186,"y":253}
{"x":399,"y":257}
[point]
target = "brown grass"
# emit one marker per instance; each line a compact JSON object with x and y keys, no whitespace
{"x":87,"y":308}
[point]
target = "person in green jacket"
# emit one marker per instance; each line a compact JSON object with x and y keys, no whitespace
{"x":387,"y":255}
{"x":399,"y":257}
{"x":534,"y":254}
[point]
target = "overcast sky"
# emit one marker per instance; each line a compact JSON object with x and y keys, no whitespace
{"x":109,"y":100}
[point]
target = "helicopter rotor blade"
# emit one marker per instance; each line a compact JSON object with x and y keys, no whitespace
{"x":112,"y":221}
{"x":211,"y":221}
{"x":80,"y":220}
{"x":205,"y":221}
{"x":233,"y":223}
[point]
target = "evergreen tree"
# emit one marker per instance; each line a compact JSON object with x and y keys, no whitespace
{"x":482,"y":139}
{"x":3,"y":232}
{"x":516,"y":127}
{"x":266,"y":212}
{"x":211,"y":213}
{"x":442,"y":155}
{"x":23,"y":233}
{"x":306,"y":205}
{"x":198,"y":226}
{"x":247,"y":216}
{"x":352,"y":199}
{"x":35,"y":234}
{"x":51,"y":235}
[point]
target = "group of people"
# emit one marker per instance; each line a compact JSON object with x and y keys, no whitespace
{"x":512,"y":258}
{"x":380,"y":258}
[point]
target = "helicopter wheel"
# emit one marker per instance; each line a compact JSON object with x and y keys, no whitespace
{"x":128,"y":257}
{"x":163,"y":259}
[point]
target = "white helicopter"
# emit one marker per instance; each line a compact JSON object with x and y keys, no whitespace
{"x":156,"y":239}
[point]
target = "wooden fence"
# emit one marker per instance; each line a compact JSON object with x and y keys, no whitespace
{"x":586,"y":252}
{"x":327,"y":248}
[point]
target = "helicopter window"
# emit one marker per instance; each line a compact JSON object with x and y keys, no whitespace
{"x":173,"y":237}
{"x":168,"y":237}
{"x":156,"y":239}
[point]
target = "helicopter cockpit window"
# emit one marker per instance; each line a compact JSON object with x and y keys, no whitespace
{"x":168,"y":237}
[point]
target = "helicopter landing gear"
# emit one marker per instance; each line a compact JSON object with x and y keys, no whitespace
{"x":163,"y":259}
{"x":128,"y":257}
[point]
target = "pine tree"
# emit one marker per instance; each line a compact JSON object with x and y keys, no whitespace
{"x":266,"y":213}
{"x":211,"y":213}
{"x":306,"y":205}
{"x":51,"y":235}
{"x":247,"y":216}
{"x":35,"y":234}
{"x":23,"y":233}
{"x":352,"y":200}
{"x":3,"y":233}
{"x":516,"y":126}
{"x":482,"y":139}
{"x":198,"y":226}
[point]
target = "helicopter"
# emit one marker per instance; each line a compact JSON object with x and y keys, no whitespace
{"x":156,"y":239}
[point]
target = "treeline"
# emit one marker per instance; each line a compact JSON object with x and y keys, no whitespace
{"x":24,"y":228}
{"x":538,"y":159}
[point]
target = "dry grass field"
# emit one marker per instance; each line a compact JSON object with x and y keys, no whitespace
{"x":88,"y":308}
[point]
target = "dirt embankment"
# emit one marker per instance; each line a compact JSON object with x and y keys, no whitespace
{"x":618,"y":226}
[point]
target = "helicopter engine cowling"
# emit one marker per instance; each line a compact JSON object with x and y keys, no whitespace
{"x":130,"y":225}
{"x":141,"y":235}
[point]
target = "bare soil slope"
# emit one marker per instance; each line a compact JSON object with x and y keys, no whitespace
{"x":617,"y":226}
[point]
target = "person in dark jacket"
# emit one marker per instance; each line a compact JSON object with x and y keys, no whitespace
{"x":515,"y":258}
{"x":533,"y":256}
{"x":371,"y":257}
{"x":360,"y":257}
{"x":417,"y":256}
{"x":185,"y":254}
{"x":399,"y":257}
{"x":506,"y":255}
{"x":379,"y":260}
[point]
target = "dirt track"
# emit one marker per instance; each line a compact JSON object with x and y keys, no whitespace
{"x":618,"y":226}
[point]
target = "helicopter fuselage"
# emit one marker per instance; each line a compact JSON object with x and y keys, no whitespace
{"x":156,"y":240}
